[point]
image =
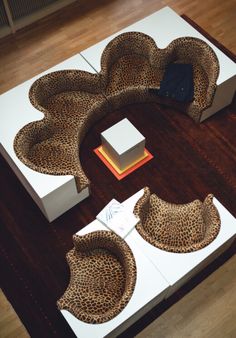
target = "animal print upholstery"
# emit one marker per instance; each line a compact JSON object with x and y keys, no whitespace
{"x":177,"y":227}
{"x":73,"y":100}
{"x":132,"y":63}
{"x":103,"y":277}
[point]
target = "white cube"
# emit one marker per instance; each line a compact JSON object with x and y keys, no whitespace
{"x":123,"y":143}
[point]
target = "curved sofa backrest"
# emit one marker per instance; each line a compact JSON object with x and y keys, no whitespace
{"x":196,"y":51}
{"x":128,"y":43}
{"x":23,"y":142}
{"x":210,"y":213}
{"x":59,"y":82}
{"x":184,"y":49}
{"x":56,"y":129}
{"x":141,"y":208}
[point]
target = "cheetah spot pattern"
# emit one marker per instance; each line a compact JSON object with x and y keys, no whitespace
{"x":177,"y":227}
{"x":73,"y":100}
{"x":103,"y":277}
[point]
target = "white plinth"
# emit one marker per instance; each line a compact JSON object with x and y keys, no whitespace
{"x":164,"y":26}
{"x":53,"y":194}
{"x":159,"y":273}
{"x":178,"y":268}
{"x":123,"y":143}
{"x":150,"y":289}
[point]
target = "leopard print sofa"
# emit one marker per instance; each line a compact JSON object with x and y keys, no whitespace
{"x":132,"y":63}
{"x":103,"y":277}
{"x":73,"y":100}
{"x":177,"y":227}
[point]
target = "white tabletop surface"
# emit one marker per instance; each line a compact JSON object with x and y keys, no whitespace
{"x":16,"y":111}
{"x":163,"y":26}
{"x":122,"y":136}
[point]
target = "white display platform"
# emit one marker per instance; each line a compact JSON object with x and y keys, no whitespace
{"x":117,"y":218}
{"x":171,"y":270}
{"x":150,"y":289}
{"x":164,"y":26}
{"x":123,"y":143}
{"x":53,"y":194}
{"x":178,"y":268}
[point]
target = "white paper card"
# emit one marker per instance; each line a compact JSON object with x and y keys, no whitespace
{"x":117,"y":218}
{"x":109,"y":211}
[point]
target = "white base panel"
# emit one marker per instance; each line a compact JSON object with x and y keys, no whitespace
{"x":150,"y":289}
{"x":53,"y":194}
{"x":223,"y":97}
{"x":164,"y":26}
{"x":57,"y":201}
{"x":159,"y":273}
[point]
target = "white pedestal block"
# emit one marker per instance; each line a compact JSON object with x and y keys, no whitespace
{"x":164,"y":26}
{"x":150,"y":289}
{"x":123,"y":143}
{"x":53,"y":194}
{"x":178,"y":268}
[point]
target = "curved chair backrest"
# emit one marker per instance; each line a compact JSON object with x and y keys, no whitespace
{"x":130,"y":43}
{"x":62,"y":81}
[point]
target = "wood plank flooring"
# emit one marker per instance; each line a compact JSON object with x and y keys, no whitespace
{"x":209,"y":310}
{"x":80,"y":25}
{"x":10,"y":325}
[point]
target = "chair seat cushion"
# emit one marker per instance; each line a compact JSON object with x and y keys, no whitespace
{"x":177,"y":227}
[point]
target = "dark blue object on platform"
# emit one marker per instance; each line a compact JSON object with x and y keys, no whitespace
{"x":177,"y":83}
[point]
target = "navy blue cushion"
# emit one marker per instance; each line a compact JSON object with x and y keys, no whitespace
{"x":177,"y":83}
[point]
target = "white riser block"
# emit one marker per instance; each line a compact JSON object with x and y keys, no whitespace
{"x":223,"y":97}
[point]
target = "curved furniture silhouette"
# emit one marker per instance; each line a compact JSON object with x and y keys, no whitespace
{"x":177,"y":227}
{"x":132,"y":63}
{"x":73,"y":100}
{"x":103,"y":277}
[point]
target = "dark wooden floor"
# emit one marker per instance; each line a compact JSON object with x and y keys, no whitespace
{"x":189,"y":161}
